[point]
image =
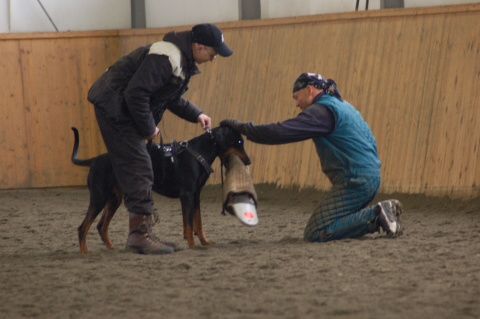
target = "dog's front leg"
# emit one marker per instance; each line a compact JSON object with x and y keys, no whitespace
{"x":185,"y":222}
{"x":197,"y":222}
{"x":187,"y":214}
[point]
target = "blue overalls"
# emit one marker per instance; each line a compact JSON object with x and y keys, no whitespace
{"x":349,"y":158}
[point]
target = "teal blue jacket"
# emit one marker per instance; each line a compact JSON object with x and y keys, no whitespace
{"x":350,"y":150}
{"x":343,"y":140}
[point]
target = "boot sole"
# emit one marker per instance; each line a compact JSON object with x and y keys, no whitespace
{"x":143,"y":251}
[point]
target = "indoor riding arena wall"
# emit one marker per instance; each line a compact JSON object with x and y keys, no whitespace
{"x":414,"y":74}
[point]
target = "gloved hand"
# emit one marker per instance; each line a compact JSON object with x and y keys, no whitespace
{"x":235,"y":124}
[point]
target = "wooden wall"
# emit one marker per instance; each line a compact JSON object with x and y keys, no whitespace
{"x":413,"y":73}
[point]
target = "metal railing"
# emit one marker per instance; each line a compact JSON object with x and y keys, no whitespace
{"x":366,"y":5}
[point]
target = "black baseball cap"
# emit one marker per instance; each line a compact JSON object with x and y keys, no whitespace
{"x":210,"y":35}
{"x":305,"y":79}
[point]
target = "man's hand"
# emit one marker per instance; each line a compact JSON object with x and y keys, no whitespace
{"x":235,"y":124}
{"x":205,"y":120}
{"x":151,"y":137}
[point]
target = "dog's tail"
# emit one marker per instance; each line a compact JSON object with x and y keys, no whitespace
{"x":75,"y":159}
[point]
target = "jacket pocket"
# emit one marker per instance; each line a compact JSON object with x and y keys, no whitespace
{"x":109,"y":102}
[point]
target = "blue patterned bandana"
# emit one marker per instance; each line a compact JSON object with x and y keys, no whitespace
{"x":305,"y":79}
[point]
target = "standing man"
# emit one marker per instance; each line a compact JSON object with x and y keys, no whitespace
{"x":130,"y":99}
{"x":348,"y":156}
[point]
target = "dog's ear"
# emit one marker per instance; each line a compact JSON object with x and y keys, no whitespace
{"x":224,"y":136}
{"x":223,"y":133}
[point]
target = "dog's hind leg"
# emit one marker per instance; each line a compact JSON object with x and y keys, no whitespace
{"x":109,"y":211}
{"x":92,"y":213}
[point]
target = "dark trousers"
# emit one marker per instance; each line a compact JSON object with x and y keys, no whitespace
{"x":131,"y":163}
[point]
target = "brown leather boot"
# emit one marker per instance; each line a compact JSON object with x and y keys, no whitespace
{"x":168,"y":243}
{"x":141,"y":239}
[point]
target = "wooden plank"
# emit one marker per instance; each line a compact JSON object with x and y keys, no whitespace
{"x":13,"y":129}
{"x":412,"y":73}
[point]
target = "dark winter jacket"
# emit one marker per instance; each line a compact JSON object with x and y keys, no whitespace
{"x":138,"y":88}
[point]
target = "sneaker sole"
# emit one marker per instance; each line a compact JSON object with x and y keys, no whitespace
{"x":397,"y":208}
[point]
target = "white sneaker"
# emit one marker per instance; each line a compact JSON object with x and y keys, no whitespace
{"x":389,"y":217}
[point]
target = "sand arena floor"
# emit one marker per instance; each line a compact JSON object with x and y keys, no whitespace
{"x":266,"y":271}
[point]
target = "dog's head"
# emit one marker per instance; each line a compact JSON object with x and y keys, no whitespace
{"x":228,"y":142}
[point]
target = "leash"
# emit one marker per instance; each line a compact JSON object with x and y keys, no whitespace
{"x":221,"y":178}
{"x":209,"y":131}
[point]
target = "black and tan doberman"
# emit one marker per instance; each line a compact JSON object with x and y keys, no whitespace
{"x":180,"y":171}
